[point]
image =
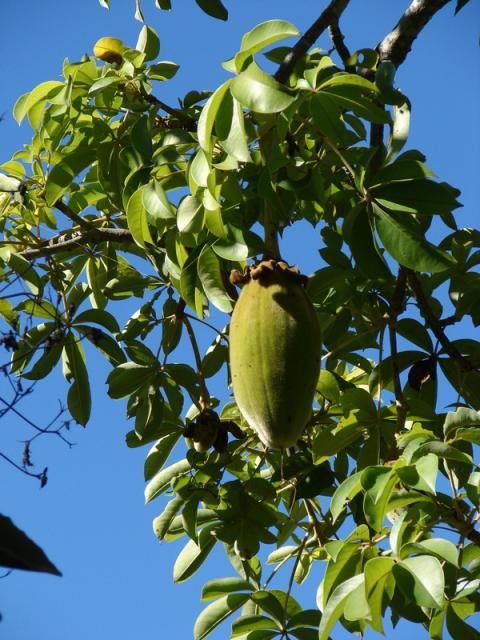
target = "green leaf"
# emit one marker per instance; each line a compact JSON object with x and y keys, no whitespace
{"x":336,"y":604}
{"x":207,"y":117}
{"x":209,"y":272}
{"x":354,"y":99}
{"x":137,"y":218}
{"x":148,"y":42}
{"x":24,"y":268}
{"x":102,"y":83}
{"x":222,"y":586}
{"x":268,"y":602}
{"x":214,"y":8}
{"x":159,"y":453}
{"x":379,"y":483}
{"x":416,"y":332}
{"x":421,"y":581}
{"x":258,"y":91}
{"x":422,"y":475}
{"x":63,"y":173}
{"x":138,"y":11}
{"x":18,"y":551}
{"x":98,"y":316}
{"x":346,"y":491}
{"x":128,"y":378}
{"x":42,"y":92}
{"x":216,"y":613}
{"x":359,"y":236}
{"x":438,"y":547}
{"x":327,"y":115}
{"x":192,"y":556}
{"x":79,"y":400}
{"x":162,"y":522}
{"x":408,"y":246}
{"x":443,"y":450}
{"x":239,"y":244}
{"x":162,"y":479}
{"x":415,"y":196}
{"x":328,"y":386}
{"x":45,"y":364}
{"x":344,"y":562}
{"x":458,"y":628}
{"x":377,"y":572}
{"x":141,"y":137}
{"x":156,"y":202}
{"x":245,"y":626}
{"x":329,"y":443}
{"x":230,"y":128}
{"x":190,"y":215}
{"x":462,"y":418}
{"x":262,"y":36}
{"x":199,"y":170}
{"x":162,"y":71}
{"x":8,"y":313}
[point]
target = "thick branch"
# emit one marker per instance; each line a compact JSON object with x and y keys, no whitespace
{"x":435,"y":324}
{"x":71,"y":215}
{"x":79,"y":238}
{"x":397,"y":44}
{"x":329,"y":16}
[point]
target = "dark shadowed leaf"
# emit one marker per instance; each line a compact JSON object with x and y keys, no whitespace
{"x":18,"y":551}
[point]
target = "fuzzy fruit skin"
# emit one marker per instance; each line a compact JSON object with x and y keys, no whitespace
{"x":275,"y":357}
{"x":109,"y":49}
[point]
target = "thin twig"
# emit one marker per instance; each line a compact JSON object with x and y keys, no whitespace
{"x":71,"y":215}
{"x":331,"y":14}
{"x":314,"y":522}
{"x":338,"y":40}
{"x":39,"y":476}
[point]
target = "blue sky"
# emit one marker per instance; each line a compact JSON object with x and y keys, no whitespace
{"x":90,"y":518}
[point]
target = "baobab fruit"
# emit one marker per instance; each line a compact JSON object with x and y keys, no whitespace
{"x":275,"y":353}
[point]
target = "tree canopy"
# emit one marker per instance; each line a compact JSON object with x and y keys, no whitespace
{"x":120,"y":198}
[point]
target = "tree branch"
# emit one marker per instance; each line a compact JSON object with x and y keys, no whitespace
{"x":338,"y":41}
{"x":330,"y":15}
{"x":112,"y":234}
{"x":71,"y":215}
{"x":397,"y":44}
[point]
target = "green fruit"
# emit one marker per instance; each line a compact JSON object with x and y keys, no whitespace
{"x":275,"y":356}
{"x":109,"y":49}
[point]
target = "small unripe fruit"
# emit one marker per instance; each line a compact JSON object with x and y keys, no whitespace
{"x":109,"y":49}
{"x":275,"y":355}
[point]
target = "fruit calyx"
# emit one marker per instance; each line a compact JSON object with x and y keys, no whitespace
{"x":266,"y":268}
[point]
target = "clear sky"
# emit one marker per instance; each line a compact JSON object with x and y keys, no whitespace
{"x":90,"y":518}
